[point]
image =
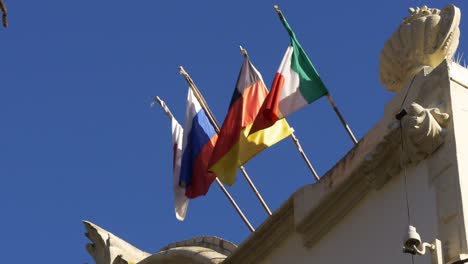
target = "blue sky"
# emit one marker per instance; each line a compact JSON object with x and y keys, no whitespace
{"x":79,"y":141}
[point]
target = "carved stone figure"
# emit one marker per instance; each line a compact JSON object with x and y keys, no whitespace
{"x":425,"y":38}
{"x":106,"y":248}
{"x":422,"y":131}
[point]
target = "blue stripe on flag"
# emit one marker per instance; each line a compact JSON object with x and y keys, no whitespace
{"x":200,"y":134}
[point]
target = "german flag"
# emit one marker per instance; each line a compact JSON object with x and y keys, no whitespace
{"x":235,"y":146}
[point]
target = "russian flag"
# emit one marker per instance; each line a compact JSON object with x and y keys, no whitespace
{"x":198,"y":144}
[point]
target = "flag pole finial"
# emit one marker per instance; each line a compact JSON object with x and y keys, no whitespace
{"x":182,"y":71}
{"x":243,"y":52}
{"x":163,"y":106}
{"x":280,"y":14}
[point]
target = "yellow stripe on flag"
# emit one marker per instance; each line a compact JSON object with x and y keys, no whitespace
{"x":247,"y":147}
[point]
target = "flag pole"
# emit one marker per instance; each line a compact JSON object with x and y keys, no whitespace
{"x":292,"y":136}
{"x":163,"y":105}
{"x":220,"y":184}
{"x":330,"y":99}
{"x":304,"y":156}
{"x":215,"y":124}
{"x":343,"y":122}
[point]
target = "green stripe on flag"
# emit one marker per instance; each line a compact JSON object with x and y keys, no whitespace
{"x":311,"y":86}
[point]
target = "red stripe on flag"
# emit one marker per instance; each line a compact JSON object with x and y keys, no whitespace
{"x":174,"y":148}
{"x":201,"y":178}
{"x":269,"y":113}
{"x":241,"y":114}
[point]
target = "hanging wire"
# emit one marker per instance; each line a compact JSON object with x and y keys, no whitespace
{"x":405,"y":178}
{"x":402,"y":150}
{"x":402,"y":153}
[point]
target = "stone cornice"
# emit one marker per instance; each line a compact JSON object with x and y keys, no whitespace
{"x":266,"y":237}
{"x":215,"y":243}
{"x":182,"y":255}
{"x":377,"y":157}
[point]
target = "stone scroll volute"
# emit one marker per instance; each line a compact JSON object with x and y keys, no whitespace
{"x":422,"y":131}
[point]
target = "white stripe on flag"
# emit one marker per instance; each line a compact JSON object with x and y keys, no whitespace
{"x":180,"y":200}
{"x":291,"y":98}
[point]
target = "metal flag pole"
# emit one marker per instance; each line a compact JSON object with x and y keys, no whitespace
{"x":292,"y":136}
{"x":4,"y":14}
{"x":168,"y":112}
{"x":215,"y":124}
{"x":304,"y":156}
{"x":343,"y":122}
{"x":330,"y":99}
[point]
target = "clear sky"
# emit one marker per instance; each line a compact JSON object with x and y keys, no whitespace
{"x":79,"y":141}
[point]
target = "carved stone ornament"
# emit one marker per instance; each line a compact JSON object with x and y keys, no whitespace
{"x":425,"y":38}
{"x":106,"y":248}
{"x":422,"y":131}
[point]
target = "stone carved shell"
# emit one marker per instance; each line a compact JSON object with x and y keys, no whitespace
{"x":425,"y":38}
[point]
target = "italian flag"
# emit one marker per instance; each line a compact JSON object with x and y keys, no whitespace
{"x":296,"y":85}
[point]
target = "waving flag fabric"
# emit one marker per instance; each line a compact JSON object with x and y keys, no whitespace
{"x":180,"y":200}
{"x":198,"y":143}
{"x":235,"y":146}
{"x":296,"y":85}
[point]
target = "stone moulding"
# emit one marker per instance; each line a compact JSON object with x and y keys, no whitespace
{"x":266,"y":238}
{"x":421,"y":132}
{"x":215,"y":243}
{"x":187,"y":254}
{"x":373,"y":161}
